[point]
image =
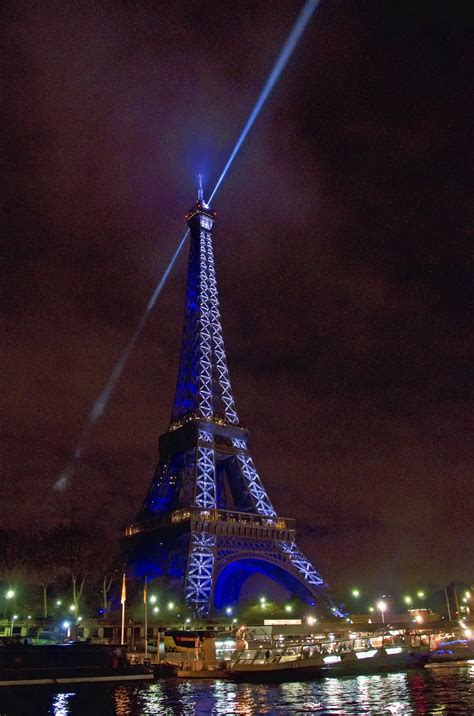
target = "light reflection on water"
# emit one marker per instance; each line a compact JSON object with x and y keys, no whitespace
{"x":443,"y":690}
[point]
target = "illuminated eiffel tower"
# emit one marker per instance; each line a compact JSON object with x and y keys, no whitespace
{"x":207,"y":523}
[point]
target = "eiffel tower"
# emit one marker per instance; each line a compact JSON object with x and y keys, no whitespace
{"x":207,"y":523}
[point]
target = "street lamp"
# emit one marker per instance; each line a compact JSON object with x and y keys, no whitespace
{"x":408,"y":600}
{"x":170,"y":605}
{"x":8,"y":595}
{"x":15,"y":616}
{"x":153,"y":599}
{"x":356,"y":593}
{"x":156,"y":610}
{"x":288,"y":608}
{"x":311,"y":621}
{"x":382,"y":606}
{"x":420,"y":595}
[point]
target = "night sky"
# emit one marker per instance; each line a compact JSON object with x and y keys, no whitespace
{"x":344,"y":265}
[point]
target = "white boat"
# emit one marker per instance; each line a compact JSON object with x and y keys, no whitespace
{"x":277,"y":665}
{"x":372,"y":661}
{"x":453,"y":650}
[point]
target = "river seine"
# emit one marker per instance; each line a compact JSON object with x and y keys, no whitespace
{"x":444,"y":689}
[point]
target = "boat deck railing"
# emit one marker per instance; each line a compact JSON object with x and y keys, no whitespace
{"x":275,"y":655}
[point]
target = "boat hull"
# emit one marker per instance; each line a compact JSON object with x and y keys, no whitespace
{"x":378,"y":664}
{"x":267,"y":674}
{"x":30,"y":665}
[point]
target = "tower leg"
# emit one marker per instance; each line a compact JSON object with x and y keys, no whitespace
{"x":199,"y":572}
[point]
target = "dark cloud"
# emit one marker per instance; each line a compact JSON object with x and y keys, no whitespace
{"x":344,"y":263}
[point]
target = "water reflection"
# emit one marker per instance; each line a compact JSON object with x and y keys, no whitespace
{"x":240,"y":700}
{"x":441,"y":690}
{"x":123,"y":700}
{"x":60,"y":705}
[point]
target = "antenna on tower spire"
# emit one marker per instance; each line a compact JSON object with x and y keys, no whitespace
{"x":200,"y":190}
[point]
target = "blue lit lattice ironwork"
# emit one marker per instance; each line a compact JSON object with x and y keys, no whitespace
{"x":205,"y":340}
{"x":198,"y":584}
{"x":203,"y":389}
{"x":261,"y":501}
{"x":301,"y":564}
{"x":217,"y":339}
{"x":205,"y":473}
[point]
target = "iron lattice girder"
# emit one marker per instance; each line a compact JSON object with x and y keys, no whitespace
{"x":209,"y":554}
{"x":199,"y":571}
{"x":205,"y":473}
{"x":203,"y":389}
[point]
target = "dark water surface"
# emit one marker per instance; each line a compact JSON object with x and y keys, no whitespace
{"x":445,"y":690}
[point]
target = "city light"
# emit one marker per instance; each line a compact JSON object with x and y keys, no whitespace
{"x":72,"y":608}
{"x":288,"y":608}
{"x":356,"y":593}
{"x":156,"y":610}
{"x":10,"y":594}
{"x":408,"y":600}
{"x":371,"y":609}
{"x":58,"y":602}
{"x":419,"y":619}
{"x":170,"y":605}
{"x":420,"y":595}
{"x":153,"y":599}
{"x":311,"y":621}
{"x":228,"y":611}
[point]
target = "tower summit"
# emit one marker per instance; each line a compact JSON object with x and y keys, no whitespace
{"x":207,"y":523}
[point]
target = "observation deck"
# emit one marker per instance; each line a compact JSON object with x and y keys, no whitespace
{"x":224,"y":522}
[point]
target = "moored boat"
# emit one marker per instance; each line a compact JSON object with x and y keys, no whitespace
{"x":29,"y":665}
{"x":453,"y":650}
{"x":375,"y":661}
{"x":277,"y":665}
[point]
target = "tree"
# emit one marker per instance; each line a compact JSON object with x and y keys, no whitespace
{"x":79,"y":549}
{"x":109,"y":570}
{"x":42,"y":556}
{"x":13,"y":555}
